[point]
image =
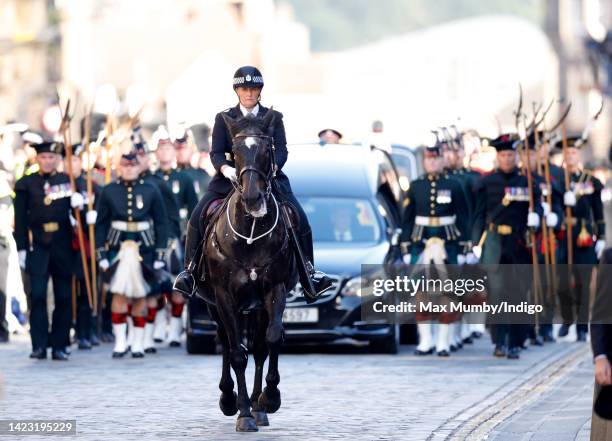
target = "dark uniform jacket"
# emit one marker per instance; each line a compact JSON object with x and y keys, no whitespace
{"x":182,"y":187}
{"x":42,"y":207}
{"x":168,"y":206}
{"x":81,"y":185}
{"x":135,"y":201}
{"x":221,"y":150}
{"x":589,"y":208}
{"x":435,"y":196}
{"x":200,"y":178}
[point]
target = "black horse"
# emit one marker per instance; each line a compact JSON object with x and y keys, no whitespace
{"x":249,"y":266}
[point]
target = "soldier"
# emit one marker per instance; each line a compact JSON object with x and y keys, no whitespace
{"x":155,"y":329}
{"x":184,"y":152}
{"x":183,"y":189}
{"x":131,"y":240}
{"x":501,"y":218}
{"x":43,"y":234}
{"x":587,"y":221}
{"x":435,"y":217}
{"x":248,"y":83}
{"x":86,"y":329}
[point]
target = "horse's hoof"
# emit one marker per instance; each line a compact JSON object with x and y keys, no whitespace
{"x":246,"y":424}
{"x":227,"y":403}
{"x":270,"y":400}
{"x":261,"y":418}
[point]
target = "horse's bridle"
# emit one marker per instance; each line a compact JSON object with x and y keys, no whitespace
{"x":267,"y":177}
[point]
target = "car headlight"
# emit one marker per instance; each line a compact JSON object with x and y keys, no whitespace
{"x":352,"y":288}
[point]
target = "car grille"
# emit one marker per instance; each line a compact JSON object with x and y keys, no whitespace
{"x":295,"y":297}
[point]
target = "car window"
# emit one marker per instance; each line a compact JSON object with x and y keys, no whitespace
{"x":342,"y":219}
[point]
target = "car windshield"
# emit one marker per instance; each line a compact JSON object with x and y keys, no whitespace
{"x":341,"y":219}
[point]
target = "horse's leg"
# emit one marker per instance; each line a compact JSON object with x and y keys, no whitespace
{"x":270,"y":399}
{"x":238,"y":358}
{"x":227,"y":401}
{"x":260,"y":353}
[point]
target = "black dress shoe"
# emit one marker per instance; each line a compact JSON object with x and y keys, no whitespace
{"x":500,"y":351}
{"x":59,"y":355}
{"x":175,"y":344}
{"x":137,"y":355}
{"x":537,"y":341}
{"x":150,"y":351}
{"x":119,"y":354}
{"x":514,"y":353}
{"x":563,"y":330}
{"x":94,"y":340}
{"x":476,"y":334}
{"x":453,"y":348}
{"x":419,"y":352}
{"x":84,"y":344}
{"x":443,"y":353}
{"x":39,"y":354}
{"x":107,"y":337}
{"x":548,"y":338}
{"x":582,"y":336}
{"x":468,"y":341}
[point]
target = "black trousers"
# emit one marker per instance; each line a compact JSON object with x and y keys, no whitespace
{"x":39,"y":322}
{"x":4,"y":332}
{"x":85,"y":325}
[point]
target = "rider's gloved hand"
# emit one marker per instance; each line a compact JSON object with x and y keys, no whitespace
{"x":229,"y":172}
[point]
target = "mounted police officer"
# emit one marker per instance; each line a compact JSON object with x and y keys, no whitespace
{"x":131,"y":239}
{"x":501,"y":222}
{"x":587,"y":222}
{"x":434,"y":222}
{"x":248,"y":83}
{"x":43,"y":234}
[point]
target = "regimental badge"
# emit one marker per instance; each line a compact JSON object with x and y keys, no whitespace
{"x":176,"y":187}
{"x":443,"y":196}
{"x":139,"y":202}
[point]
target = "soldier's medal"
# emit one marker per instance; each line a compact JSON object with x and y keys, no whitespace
{"x":48,"y":199}
{"x":139,"y":202}
{"x":505,"y":201}
{"x":176,"y":187}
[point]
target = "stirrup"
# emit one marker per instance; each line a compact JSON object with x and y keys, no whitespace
{"x":185,"y":284}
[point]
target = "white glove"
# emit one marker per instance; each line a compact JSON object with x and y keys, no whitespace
{"x":552,"y":220}
{"x":600,"y":245}
{"x":72,"y":220}
{"x":471,"y":259}
{"x":545,"y":208}
{"x":77,"y":200}
{"x":158,"y":264}
{"x":533,"y":220}
{"x":103,"y":264}
{"x":569,"y":199}
{"x":22,"y":258}
{"x":407,"y":258}
{"x":477,"y":251}
{"x":91,"y":216}
{"x":461,"y":259}
{"x":229,"y":172}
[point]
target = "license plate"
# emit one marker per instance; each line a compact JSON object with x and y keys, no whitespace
{"x":301,"y":315}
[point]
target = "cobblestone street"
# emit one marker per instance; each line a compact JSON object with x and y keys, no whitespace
{"x":328,"y":395}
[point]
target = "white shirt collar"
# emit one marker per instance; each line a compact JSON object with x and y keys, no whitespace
{"x":244,"y":110}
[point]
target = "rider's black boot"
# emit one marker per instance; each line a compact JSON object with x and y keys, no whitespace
{"x":320,"y":280}
{"x":185,"y":282}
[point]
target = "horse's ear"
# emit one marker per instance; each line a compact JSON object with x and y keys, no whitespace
{"x":268,"y":121}
{"x":231,"y":124}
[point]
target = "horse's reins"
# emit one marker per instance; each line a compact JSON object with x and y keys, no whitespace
{"x":267,"y":177}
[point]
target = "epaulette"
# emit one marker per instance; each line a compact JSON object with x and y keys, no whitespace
{"x":227,"y":110}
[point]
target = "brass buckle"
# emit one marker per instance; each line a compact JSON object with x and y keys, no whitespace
{"x":131,"y":227}
{"x":434,"y":221}
{"x":50,"y":227}
{"x":504,"y":230}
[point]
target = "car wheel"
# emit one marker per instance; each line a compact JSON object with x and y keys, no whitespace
{"x":388,"y":345}
{"x":197,"y":344}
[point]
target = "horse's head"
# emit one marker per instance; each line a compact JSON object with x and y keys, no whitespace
{"x":253,"y":151}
